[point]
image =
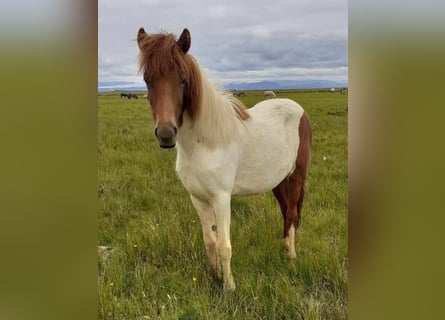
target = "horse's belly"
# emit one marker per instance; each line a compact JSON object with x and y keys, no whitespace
{"x":264,"y":175}
{"x":249,"y":187}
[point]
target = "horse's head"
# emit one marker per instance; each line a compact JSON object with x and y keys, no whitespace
{"x":172,"y":80}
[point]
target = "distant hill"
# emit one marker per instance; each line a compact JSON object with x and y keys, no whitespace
{"x":261,"y":85}
{"x":120,"y":85}
{"x":286,"y":84}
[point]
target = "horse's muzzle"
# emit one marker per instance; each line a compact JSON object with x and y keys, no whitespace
{"x":166,"y":136}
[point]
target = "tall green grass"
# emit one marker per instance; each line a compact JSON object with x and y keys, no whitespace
{"x":156,"y":266}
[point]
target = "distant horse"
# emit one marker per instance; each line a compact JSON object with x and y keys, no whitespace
{"x":126,"y":95}
{"x":238,"y":93}
{"x":132,"y":95}
{"x":269,"y":93}
{"x":222,"y":148}
{"x":332,"y":90}
{"x":344,"y":91}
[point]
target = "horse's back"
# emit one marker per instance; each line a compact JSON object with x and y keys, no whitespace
{"x":276,"y":109}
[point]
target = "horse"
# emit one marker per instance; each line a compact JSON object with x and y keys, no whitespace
{"x":126,"y":95}
{"x":134,"y":96}
{"x":269,"y":93}
{"x":238,"y":93}
{"x":332,"y":90}
{"x":224,"y":149}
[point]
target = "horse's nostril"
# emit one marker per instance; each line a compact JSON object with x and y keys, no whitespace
{"x":165,"y":133}
{"x":166,"y":136}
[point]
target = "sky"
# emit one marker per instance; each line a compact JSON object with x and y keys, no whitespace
{"x":233,"y":41}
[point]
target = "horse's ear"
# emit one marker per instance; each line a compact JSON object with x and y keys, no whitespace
{"x":185,"y":40}
{"x":141,"y":36}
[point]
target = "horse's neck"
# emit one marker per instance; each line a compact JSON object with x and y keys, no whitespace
{"x":216,"y":123}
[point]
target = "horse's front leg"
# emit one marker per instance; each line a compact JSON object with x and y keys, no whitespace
{"x":208,"y":223}
{"x":221,"y":206}
{"x":215,"y":221}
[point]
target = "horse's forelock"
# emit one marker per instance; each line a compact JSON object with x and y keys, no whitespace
{"x":157,"y":54}
{"x":160,"y":55}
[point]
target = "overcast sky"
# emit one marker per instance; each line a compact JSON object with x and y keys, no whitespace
{"x":234,"y":41}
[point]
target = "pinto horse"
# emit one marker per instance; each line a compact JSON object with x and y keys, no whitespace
{"x":223,"y":149}
{"x":269,"y":93}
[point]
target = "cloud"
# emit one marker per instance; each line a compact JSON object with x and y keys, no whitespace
{"x":234,"y":38}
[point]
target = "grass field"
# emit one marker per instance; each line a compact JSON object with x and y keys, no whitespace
{"x":156,"y":266}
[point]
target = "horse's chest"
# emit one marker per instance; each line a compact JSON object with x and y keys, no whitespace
{"x":205,"y":174}
{"x":192,"y":178}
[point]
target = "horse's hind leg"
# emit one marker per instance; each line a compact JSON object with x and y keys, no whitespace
{"x":290,"y":192}
{"x":287,"y":194}
{"x":280,"y":193}
{"x":293,"y":213}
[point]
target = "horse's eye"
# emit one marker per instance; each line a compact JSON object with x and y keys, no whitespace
{"x":182,"y":82}
{"x":146,"y":80}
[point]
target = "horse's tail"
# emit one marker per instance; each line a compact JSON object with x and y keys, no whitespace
{"x":303,"y":158}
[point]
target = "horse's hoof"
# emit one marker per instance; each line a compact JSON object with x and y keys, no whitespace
{"x":290,"y":250}
{"x":229,"y":287}
{"x":292,"y":255}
